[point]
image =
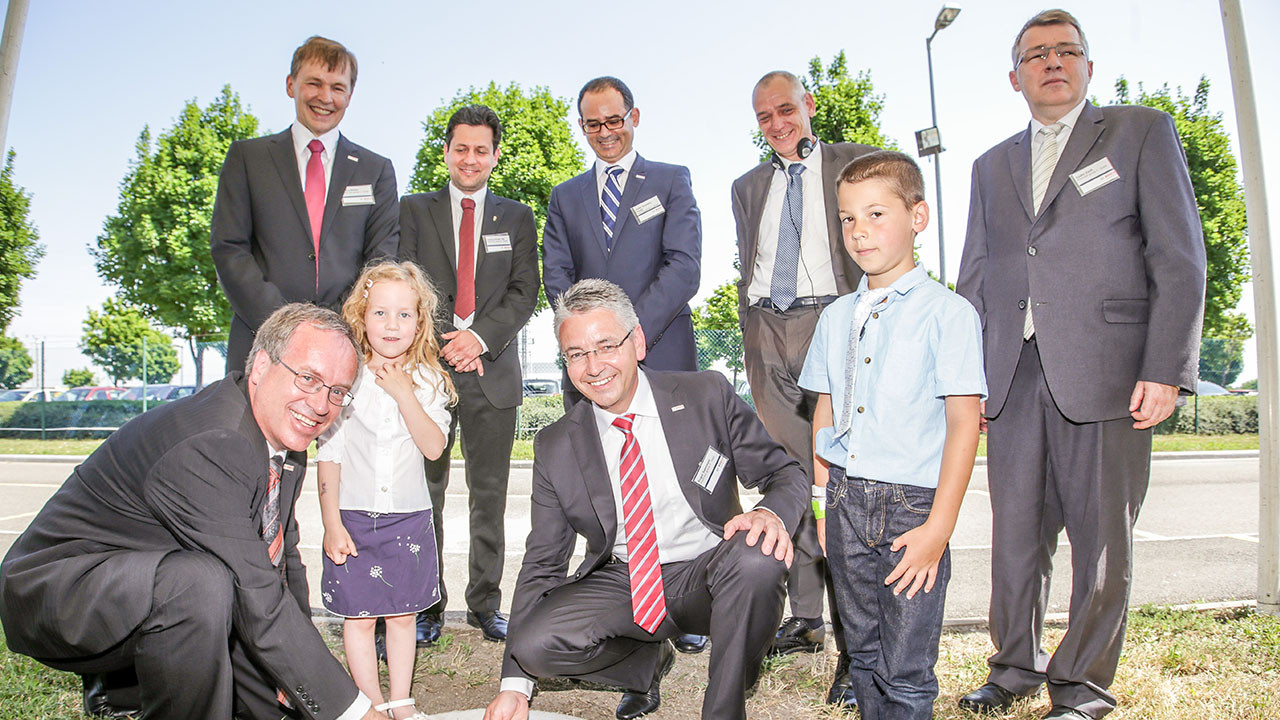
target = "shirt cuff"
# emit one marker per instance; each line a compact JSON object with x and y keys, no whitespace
{"x":476,"y":335}
{"x":762,"y":507}
{"x":357,"y":709}
{"x":524,"y":686}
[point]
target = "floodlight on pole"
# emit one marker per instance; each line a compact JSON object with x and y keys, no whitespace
{"x":946,"y":16}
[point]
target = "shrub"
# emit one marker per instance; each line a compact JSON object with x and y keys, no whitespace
{"x":537,"y":413}
{"x":1219,"y":415}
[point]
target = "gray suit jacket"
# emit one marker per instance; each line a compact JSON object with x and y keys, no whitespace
{"x":749,"y":194}
{"x":261,"y":235}
{"x":506,"y":281}
{"x":188,"y":475}
{"x":572,"y":495}
{"x":1117,"y":276}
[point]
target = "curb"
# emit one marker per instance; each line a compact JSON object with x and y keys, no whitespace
{"x":77,"y":459}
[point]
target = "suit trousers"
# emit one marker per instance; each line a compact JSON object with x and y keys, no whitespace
{"x":1047,"y":473}
{"x":188,"y":661}
{"x":585,"y":630}
{"x":488,"y":434}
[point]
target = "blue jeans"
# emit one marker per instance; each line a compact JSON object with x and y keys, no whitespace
{"x":892,"y":640}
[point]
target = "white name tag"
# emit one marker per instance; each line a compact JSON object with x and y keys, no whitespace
{"x":498,"y":242}
{"x":648,"y":209}
{"x":357,"y":195}
{"x":709,"y":470}
{"x":1094,"y":176}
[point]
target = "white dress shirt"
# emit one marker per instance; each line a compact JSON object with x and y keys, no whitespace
{"x":625,"y":163}
{"x":816,"y":276}
{"x":302,"y":137}
{"x":455,"y":202}
{"x":382,"y":467}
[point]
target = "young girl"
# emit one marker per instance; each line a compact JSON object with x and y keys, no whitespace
{"x":379,"y":543}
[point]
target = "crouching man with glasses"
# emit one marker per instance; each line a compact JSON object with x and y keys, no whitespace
{"x":646,"y":472}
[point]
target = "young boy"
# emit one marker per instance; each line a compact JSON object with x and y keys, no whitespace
{"x":898,"y":369}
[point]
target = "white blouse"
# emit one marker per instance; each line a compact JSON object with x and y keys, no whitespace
{"x":382,"y":467}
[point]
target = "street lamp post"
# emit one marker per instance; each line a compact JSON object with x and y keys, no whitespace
{"x":946,"y":16}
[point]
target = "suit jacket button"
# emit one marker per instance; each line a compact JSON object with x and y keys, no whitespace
{"x":1022,"y":304}
{"x":311,"y":256}
{"x":1031,"y":251}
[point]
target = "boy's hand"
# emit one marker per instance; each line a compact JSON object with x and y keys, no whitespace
{"x":395,"y":380}
{"x":822,"y":534}
{"x":919,"y":564}
{"x":508,"y":705}
{"x":338,"y":545}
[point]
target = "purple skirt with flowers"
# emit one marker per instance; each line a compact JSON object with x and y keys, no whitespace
{"x":395,"y":572}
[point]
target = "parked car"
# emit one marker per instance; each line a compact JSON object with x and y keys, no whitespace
{"x":90,"y":393}
{"x":159,"y":392}
{"x":28,"y":394}
{"x":541,"y":387}
{"x":1204,"y":387}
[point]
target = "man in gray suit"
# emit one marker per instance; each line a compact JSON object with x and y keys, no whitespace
{"x":299,"y":213}
{"x":793,"y":265}
{"x":678,"y":555}
{"x":1085,"y":260}
{"x":173,"y":549}
{"x":486,"y":298}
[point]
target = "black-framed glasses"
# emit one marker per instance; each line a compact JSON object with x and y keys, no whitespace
{"x":1064,"y":51}
{"x":614,"y":122}
{"x":310,"y":384}
{"x":604,"y":352}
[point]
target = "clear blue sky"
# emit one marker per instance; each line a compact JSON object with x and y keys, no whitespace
{"x":93,"y":74}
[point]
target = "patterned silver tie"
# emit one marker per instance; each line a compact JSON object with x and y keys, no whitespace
{"x":786,"y":262}
{"x":1045,"y":163}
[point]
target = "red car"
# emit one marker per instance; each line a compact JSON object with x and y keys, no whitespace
{"x":91,"y":393}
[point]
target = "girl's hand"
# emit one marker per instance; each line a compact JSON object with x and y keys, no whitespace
{"x":919,"y":564}
{"x":338,"y":545}
{"x":395,"y":380}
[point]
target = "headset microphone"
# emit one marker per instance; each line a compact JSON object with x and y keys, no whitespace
{"x":804,"y":149}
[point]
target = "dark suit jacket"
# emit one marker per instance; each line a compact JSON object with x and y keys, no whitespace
{"x":572,"y":496}
{"x":188,"y":475}
{"x":1117,"y":276}
{"x":657,"y":263}
{"x":261,"y":234}
{"x":506,"y":281}
{"x":749,"y":194}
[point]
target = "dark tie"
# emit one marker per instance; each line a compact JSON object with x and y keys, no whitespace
{"x":648,"y":602}
{"x":786,"y":262}
{"x":465,"y":304}
{"x":271,"y":512}
{"x":314,"y":192}
{"x":610,"y":199}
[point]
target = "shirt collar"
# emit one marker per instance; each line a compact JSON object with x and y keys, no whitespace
{"x":642,"y":404}
{"x":456,"y":194}
{"x":812,"y":163}
{"x":1068,"y":120}
{"x":902,"y":285}
{"x":303,"y":137}
{"x":625,"y":163}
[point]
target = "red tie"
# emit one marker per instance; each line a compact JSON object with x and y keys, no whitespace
{"x":648,"y":603}
{"x":465,"y":305}
{"x":271,"y":512}
{"x":314,"y":192}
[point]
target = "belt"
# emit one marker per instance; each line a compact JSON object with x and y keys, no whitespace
{"x":800,"y":302}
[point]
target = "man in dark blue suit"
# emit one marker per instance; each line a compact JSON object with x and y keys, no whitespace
{"x":631,"y":221}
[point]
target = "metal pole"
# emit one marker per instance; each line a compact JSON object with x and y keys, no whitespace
{"x":15,"y":20}
{"x":42,"y":390}
{"x":937,"y":165}
{"x":144,"y":373}
{"x":1264,"y":308}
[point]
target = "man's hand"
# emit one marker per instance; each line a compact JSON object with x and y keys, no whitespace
{"x":982,"y":416}
{"x":822,"y":534}
{"x":509,"y":705}
{"x":1151,"y":403}
{"x":372,"y":714}
{"x":762,"y":522}
{"x":461,"y":350}
{"x":919,"y":564}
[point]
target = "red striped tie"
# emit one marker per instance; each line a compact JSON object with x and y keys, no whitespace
{"x":648,"y":603}
{"x":271,"y":513}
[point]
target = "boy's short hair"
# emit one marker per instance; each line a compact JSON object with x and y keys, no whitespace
{"x":332,"y":54}
{"x":896,"y":169}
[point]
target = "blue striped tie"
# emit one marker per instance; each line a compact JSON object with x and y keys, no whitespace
{"x":609,"y":201}
{"x":786,"y":262}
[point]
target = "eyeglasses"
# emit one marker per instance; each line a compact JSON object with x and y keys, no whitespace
{"x":310,"y":384}
{"x":591,"y":127}
{"x":606,"y":351}
{"x":1037,"y":55}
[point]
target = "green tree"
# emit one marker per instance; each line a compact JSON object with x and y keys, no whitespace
{"x":848,"y":106}
{"x":155,"y":249}
{"x":20,"y":248}
{"x":77,"y":377}
{"x":1221,"y":360}
{"x":716,"y":328}
{"x":15,"y":362}
{"x":538,"y":148}
{"x":115,"y":337}
{"x":1219,"y":197}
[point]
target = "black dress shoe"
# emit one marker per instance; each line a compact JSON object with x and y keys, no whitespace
{"x":690,"y":644}
{"x":795,"y":636}
{"x":1062,"y":712}
{"x":634,"y":703}
{"x":111,"y":695}
{"x":841,"y":693}
{"x":492,"y":624}
{"x":429,"y":626}
{"x":990,"y":699}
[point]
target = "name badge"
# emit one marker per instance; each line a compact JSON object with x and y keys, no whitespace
{"x":709,"y":470}
{"x":498,"y":242}
{"x":357,"y":195}
{"x":648,"y":210}
{"x":1093,"y":176}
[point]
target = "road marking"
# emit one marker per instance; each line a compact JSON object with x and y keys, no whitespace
{"x":1143,"y":537}
{"x":1253,"y":538}
{"x":19,"y":515}
{"x":54,"y":486}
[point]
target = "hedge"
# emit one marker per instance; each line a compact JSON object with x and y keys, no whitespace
{"x":1219,"y":415}
{"x":537,"y":413}
{"x":82,"y":414}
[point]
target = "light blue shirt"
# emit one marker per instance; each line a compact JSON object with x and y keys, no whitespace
{"x":925,"y":345}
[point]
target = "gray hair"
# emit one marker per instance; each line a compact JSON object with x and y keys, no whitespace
{"x":790,"y":78}
{"x":1050,"y":17}
{"x":595,"y":294}
{"x":274,"y":335}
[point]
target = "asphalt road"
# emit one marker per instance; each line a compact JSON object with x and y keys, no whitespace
{"x":1197,"y":536}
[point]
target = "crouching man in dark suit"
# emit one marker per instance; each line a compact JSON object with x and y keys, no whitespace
{"x":645,"y":472}
{"x":173,"y":549}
